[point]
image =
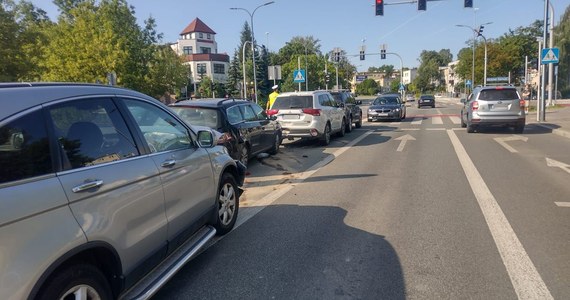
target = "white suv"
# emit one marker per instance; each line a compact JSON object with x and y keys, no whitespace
{"x":313,"y":114}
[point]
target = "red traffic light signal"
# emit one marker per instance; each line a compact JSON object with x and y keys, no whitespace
{"x":379,"y":7}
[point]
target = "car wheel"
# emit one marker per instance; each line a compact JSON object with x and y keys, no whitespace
{"x":419,"y":106}
{"x":349,"y":125}
{"x":433,"y":106}
{"x":81,"y":281}
{"x":470,"y":128}
{"x":228,"y":205}
{"x":326,"y":139}
{"x":359,"y":123}
{"x":463,"y":125}
{"x":276,"y":143}
{"x":342,"y":131}
{"x":244,"y":154}
{"x":519,"y":129}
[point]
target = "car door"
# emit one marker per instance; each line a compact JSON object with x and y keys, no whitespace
{"x":114,"y":192}
{"x":185,"y":169}
{"x":253,"y":128}
{"x":337,"y":112}
{"x":268,"y":127}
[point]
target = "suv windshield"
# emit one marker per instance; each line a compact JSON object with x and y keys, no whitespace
{"x":507,"y":94}
{"x":288,"y":102}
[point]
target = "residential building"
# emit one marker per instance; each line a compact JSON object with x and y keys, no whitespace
{"x":197,"y":44}
{"x":409,"y":76}
{"x":383,"y":79}
{"x":451,"y":78}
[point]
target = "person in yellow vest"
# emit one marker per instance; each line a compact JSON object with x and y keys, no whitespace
{"x":272,"y":96}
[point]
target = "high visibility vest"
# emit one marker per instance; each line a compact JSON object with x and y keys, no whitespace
{"x":272,"y":97}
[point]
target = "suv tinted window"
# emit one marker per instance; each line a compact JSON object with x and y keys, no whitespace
{"x":199,"y":116}
{"x":259,"y":112}
{"x":91,"y":132}
{"x":161,"y":131}
{"x":234,"y":115}
{"x":248,"y":113}
{"x":24,"y":148}
{"x":506,"y":94}
{"x":288,"y":102}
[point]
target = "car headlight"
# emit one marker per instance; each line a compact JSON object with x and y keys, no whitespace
{"x":370,"y":110}
{"x":397,"y":109}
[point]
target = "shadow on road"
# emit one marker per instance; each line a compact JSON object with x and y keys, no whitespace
{"x":293,"y":252}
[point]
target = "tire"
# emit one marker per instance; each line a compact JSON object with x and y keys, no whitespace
{"x":342,"y":131}
{"x":470,"y":128}
{"x":326,"y":138}
{"x":419,"y":106}
{"x":276,"y":143}
{"x":77,"y":278}
{"x":359,"y":123}
{"x":227,"y":204}
{"x":433,"y":106}
{"x":519,"y":129}
{"x":349,"y":125}
{"x":463,"y":125}
{"x":244,"y":154}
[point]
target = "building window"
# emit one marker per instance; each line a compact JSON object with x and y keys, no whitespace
{"x":208,"y":36}
{"x":205,"y":50}
{"x":187,"y":50}
{"x":200,"y":35}
{"x":219,"y":69}
{"x":201,"y":70}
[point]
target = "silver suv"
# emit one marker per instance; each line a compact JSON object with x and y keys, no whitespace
{"x":104,"y":192}
{"x":313,"y":114}
{"x":493,"y":106}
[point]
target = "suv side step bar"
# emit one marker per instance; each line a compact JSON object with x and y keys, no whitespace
{"x":150,"y":284}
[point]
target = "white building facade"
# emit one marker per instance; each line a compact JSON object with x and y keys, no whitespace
{"x":197,"y":44}
{"x":409,"y":75}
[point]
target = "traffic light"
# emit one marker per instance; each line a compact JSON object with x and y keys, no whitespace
{"x":480,"y":30}
{"x":327,"y":77}
{"x":468,"y":3}
{"x":336,"y":56}
{"x":422,"y":5}
{"x":361,"y":55}
{"x":379,"y":7}
{"x":383,"y":54}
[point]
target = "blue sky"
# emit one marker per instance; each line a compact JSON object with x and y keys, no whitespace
{"x":344,"y":23}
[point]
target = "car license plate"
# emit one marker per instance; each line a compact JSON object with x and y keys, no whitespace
{"x":290,"y":117}
{"x":383,"y":114}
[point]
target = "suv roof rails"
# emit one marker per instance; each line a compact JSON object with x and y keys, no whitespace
{"x":38,"y":84}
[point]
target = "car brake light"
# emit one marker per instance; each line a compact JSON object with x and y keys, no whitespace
{"x":522,"y":103}
{"x":312,"y":111}
{"x":474,"y":105}
{"x":271,"y":112}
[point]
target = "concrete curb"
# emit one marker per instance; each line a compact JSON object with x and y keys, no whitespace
{"x":555,"y":130}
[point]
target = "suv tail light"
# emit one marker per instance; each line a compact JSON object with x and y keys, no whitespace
{"x":474,"y":105}
{"x":522,"y":103}
{"x":312,"y":111}
{"x":271,"y":112}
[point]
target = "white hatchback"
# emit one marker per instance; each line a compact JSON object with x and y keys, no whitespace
{"x":312,"y":114}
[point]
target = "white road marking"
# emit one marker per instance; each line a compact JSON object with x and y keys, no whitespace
{"x":245,"y":215}
{"x":403,"y":139}
{"x":434,"y":129}
{"x":437,"y":120}
{"x":455,"y":120}
{"x":395,"y":123}
{"x":563,"y":204}
{"x":417,"y":121}
{"x":410,"y":129}
{"x":526,"y":280}
{"x":558,"y":164}
{"x":502,"y":141}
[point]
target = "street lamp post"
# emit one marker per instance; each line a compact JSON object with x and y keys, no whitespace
{"x":253,"y":42}
{"x":476,"y":33}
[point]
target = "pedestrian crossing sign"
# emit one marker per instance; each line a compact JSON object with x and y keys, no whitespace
{"x":299,"y":76}
{"x":550,"y":56}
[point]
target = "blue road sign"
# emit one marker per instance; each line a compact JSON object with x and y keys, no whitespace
{"x":401,"y":87}
{"x":550,"y":56}
{"x":468,"y":82}
{"x":298,"y":76}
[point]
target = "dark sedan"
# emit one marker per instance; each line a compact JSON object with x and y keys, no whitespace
{"x":387,"y":107}
{"x":426,"y":100}
{"x":246,"y":129}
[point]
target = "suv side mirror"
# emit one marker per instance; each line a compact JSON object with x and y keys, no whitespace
{"x":205,"y":139}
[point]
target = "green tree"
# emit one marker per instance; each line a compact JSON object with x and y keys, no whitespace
{"x":562,"y":40}
{"x":367,"y":87}
{"x":205,"y":88}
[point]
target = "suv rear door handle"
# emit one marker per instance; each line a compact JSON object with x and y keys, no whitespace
{"x":168,"y":163}
{"x":87,"y":185}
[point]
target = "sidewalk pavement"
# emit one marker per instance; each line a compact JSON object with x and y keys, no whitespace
{"x":557,"y":120}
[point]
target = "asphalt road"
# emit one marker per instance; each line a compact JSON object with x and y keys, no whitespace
{"x":417,"y":209}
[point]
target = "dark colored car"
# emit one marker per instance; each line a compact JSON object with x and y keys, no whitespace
{"x":352,"y":111}
{"x":387,"y":107}
{"x":426,"y":100}
{"x":246,"y":129}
